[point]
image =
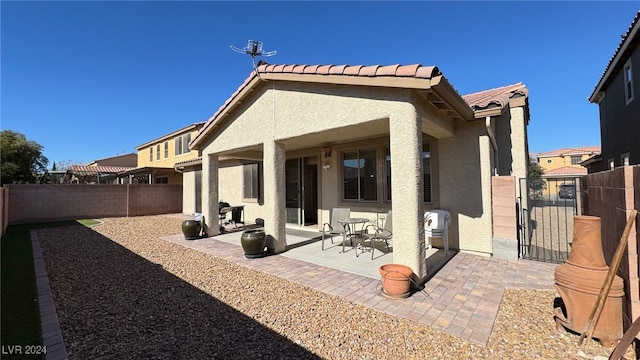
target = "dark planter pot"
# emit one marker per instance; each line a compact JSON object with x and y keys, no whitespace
{"x":253,"y":243}
{"x":191,"y":229}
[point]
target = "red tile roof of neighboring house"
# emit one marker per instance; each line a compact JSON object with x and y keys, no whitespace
{"x":566,"y":170}
{"x":90,"y":170}
{"x":476,"y":101}
{"x":571,"y":151}
{"x":626,"y":45}
{"x":497,"y":97}
{"x":184,"y":163}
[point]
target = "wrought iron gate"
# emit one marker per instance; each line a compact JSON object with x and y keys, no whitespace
{"x":546,"y":208}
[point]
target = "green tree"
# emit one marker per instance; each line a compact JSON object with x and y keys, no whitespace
{"x":20,"y":159}
{"x":534,"y":173}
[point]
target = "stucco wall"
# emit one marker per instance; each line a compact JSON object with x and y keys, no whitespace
{"x":46,"y":202}
{"x":230,"y":190}
{"x":277,"y":114}
{"x":465,"y":187}
{"x":189,"y":190}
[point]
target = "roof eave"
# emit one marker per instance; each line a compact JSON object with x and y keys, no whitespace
{"x":216,"y":119}
{"x":171,"y":135}
{"x":445,"y":90}
{"x":595,"y":95}
{"x":483,"y":113}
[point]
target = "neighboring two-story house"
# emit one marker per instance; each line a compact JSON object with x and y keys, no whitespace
{"x":567,"y":160}
{"x":156,"y":159}
{"x":618,"y":97}
{"x":563,"y":166}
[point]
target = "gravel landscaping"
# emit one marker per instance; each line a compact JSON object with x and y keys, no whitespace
{"x":122,"y":292}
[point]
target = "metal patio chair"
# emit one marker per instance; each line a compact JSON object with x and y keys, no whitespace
{"x":374,"y":233}
{"x":335,"y":227}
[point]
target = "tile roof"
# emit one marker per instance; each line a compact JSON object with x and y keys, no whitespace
{"x":476,"y":101}
{"x":90,"y":170}
{"x":566,"y":170}
{"x":194,"y":161}
{"x":397,"y":70}
{"x":415,"y":70}
{"x":571,"y":151}
{"x":497,"y":97}
{"x":614,"y":62}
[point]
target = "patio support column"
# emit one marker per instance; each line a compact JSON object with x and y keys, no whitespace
{"x":274,"y":196}
{"x":210,"y":194}
{"x":405,"y":137}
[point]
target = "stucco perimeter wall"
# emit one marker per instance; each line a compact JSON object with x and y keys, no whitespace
{"x":48,"y":202}
{"x":465,"y":187}
{"x":611,"y":195}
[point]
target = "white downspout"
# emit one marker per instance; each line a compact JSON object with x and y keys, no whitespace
{"x":494,"y":144}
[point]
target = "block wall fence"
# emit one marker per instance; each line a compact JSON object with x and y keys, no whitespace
{"x":29,"y":203}
{"x":611,"y":195}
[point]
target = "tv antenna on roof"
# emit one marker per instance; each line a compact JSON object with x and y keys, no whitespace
{"x":254,"y":49}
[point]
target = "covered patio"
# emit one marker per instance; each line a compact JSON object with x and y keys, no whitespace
{"x":304,"y":244}
{"x":371,"y":139}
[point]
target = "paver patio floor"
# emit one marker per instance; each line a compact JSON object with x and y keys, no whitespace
{"x":462,"y":298}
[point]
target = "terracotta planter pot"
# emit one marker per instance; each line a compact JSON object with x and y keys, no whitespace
{"x":191,"y":229}
{"x":396,"y":280}
{"x":253,"y":243}
{"x":579,"y":282}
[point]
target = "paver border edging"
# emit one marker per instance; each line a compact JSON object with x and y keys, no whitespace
{"x":51,"y":332}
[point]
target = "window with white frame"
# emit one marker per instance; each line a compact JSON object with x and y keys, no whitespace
{"x":251,"y":181}
{"x":360,"y":177}
{"x":158,"y":152}
{"x":151,"y":154}
{"x":624,"y":159}
{"x":182,"y":144}
{"x":166,"y":149}
{"x":628,"y":82}
{"x":426,"y":174}
{"x":575,"y":160}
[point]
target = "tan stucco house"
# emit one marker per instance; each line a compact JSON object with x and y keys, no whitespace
{"x":295,"y":141}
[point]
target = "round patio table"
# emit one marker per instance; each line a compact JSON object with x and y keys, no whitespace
{"x":350,"y":231}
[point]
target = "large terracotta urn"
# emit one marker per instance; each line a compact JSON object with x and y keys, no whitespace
{"x":580,"y":280}
{"x":396,"y":280}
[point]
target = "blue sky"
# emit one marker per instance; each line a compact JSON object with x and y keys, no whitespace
{"x":90,"y":80}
